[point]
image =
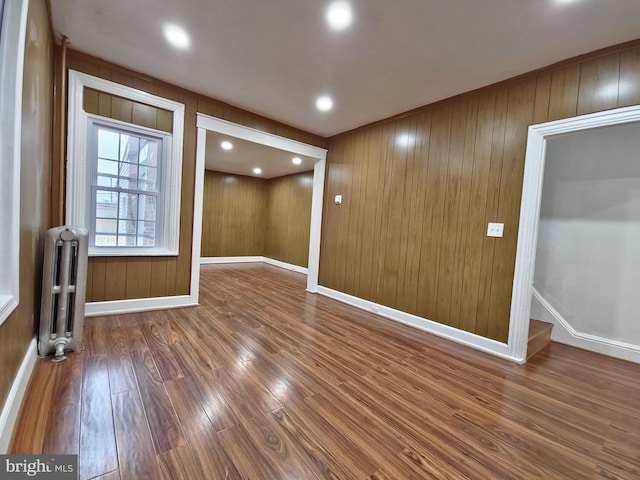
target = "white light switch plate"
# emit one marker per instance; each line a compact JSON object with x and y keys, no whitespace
{"x":338,"y":199}
{"x":495,"y":230}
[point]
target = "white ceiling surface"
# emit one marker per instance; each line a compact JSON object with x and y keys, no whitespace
{"x":276,"y":57}
{"x":246,"y":155}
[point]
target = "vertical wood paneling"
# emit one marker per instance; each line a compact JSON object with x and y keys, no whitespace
{"x":35,"y":191}
{"x":451,"y":212}
{"x":248,"y":216}
{"x":420,"y":216}
{"x":464,"y":208}
{"x":599,"y":80}
{"x":629,"y":90}
{"x":233,"y":215}
{"x":519,"y":117}
{"x":434,"y":210}
{"x":563,"y":98}
{"x":289,"y":218}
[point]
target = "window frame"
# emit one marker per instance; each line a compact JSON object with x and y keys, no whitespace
{"x":79,"y":163}
{"x":13,"y":27}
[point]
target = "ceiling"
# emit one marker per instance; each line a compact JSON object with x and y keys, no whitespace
{"x":276,"y":57}
{"x":246,"y":155}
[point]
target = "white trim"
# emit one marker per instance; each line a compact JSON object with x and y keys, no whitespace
{"x":206,"y":122}
{"x":218,"y":260}
{"x":117,"y":307}
{"x":530,"y":211}
{"x":456,"y":335}
{"x":198,"y":199}
{"x":564,"y":332}
{"x":12,"y":45}
{"x":256,"y":259}
{"x":12,"y":405}
{"x":77,"y":168}
{"x":287,"y":266}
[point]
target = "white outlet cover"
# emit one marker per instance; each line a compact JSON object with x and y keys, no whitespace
{"x":495,"y":230}
{"x":338,"y":199}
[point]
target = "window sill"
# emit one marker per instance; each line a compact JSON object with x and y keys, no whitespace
{"x":8,"y":304}
{"x":131,"y":252}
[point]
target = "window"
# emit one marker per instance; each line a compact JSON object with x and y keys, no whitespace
{"x":123,"y":180}
{"x":13,"y":24}
{"x":127,"y":189}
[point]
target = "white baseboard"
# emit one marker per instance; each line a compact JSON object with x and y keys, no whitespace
{"x":12,"y":405}
{"x":563,"y":332}
{"x":96,"y":309}
{"x":267,"y":260}
{"x":450,"y":333}
{"x":288,"y":266}
{"x":212,"y":260}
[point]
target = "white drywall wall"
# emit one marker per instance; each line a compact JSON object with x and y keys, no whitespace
{"x":588,"y":255}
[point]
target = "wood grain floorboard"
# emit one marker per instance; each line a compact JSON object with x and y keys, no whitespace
{"x":265,"y":381}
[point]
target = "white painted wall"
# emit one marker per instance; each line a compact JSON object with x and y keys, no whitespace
{"x":588,"y":254}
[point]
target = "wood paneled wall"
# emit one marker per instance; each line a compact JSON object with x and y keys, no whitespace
{"x":19,"y":329}
{"x":419,"y":189}
{"x":289,"y":218}
{"x":125,"y":110}
{"x":117,"y":278}
{"x":248,"y":216}
{"x":234,"y":215}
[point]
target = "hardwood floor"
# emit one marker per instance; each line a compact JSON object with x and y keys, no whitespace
{"x":265,"y":381}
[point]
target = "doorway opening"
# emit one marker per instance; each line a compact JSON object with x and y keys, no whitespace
{"x":206,"y":125}
{"x":530,"y":210}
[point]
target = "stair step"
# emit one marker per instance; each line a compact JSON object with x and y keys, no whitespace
{"x":539,"y":336}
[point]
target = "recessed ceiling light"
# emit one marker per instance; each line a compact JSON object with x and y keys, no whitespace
{"x":296,"y":160}
{"x":257,"y":171}
{"x":339,"y":15}
{"x":324,"y":103}
{"x":176,"y":36}
{"x":226,"y":145}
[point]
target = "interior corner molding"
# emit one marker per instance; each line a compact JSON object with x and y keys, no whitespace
{"x":11,"y":409}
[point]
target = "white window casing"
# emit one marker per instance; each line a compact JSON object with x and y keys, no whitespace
{"x":79,"y":163}
{"x":12,"y":45}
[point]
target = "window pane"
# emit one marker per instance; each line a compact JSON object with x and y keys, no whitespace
{"x":128,"y":207}
{"x":147,"y":207}
{"x":105,"y":181}
{"x":108,"y":144}
{"x":105,"y":240}
{"x":127,"y":227}
{"x":107,"y":167}
{"x":149,"y":152}
{"x":104,"y":225}
{"x":129,"y":149}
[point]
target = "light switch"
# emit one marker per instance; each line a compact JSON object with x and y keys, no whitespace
{"x":338,"y":199}
{"x":495,"y":230}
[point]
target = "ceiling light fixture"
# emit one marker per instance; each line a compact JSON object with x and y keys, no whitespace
{"x":176,"y":36}
{"x":226,"y":145}
{"x":339,"y":15}
{"x":257,"y":171}
{"x":324,"y":103}
{"x":296,"y":160}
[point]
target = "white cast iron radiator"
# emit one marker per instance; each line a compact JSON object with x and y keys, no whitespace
{"x":64,"y":279}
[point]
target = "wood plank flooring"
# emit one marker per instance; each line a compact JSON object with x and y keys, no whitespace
{"x":265,"y":381}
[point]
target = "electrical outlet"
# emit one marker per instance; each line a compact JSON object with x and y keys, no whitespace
{"x":338,"y":199}
{"x":495,"y":230}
